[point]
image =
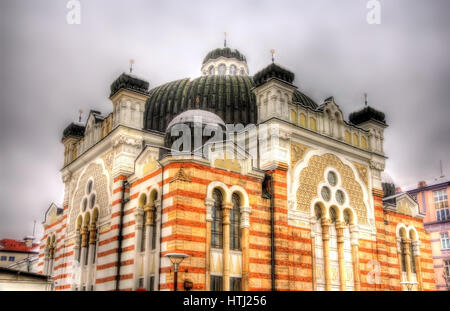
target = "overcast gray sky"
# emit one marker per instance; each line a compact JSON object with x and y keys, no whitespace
{"x":50,"y":69}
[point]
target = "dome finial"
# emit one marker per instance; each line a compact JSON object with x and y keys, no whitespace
{"x":81,"y":113}
{"x":272,"y":51}
{"x":131,"y":65}
{"x":225,"y":39}
{"x":365,"y":98}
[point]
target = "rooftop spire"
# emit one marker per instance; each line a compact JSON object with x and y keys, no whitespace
{"x":81,"y":113}
{"x":225,"y":40}
{"x":365,"y":99}
{"x":131,"y":65}
{"x":272,"y":51}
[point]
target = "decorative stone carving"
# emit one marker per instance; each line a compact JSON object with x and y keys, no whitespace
{"x":124,"y":140}
{"x":399,"y":245}
{"x":313,"y":174}
{"x":416,"y":247}
{"x":292,"y":204}
{"x":66,"y":177}
{"x":362,"y":172}
{"x":376,"y":165}
{"x":149,"y":214}
{"x":181,"y":175}
{"x":245,"y":216}
{"x":92,"y":234}
{"x":209,"y":203}
{"x":101,"y":186}
{"x":157,"y":204}
{"x":297,"y":153}
{"x":138,"y":213}
{"x":354,"y":235}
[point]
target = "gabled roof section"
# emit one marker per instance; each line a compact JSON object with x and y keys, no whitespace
{"x":11,"y":245}
{"x":52,"y":213}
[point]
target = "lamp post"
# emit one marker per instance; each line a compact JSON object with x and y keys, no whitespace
{"x":176,"y":259}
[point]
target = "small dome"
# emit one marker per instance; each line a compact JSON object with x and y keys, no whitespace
{"x":129,"y":82}
{"x":74,"y":130}
{"x":366,"y":114}
{"x":190,"y":116}
{"x":192,"y":119}
{"x":273,"y":71}
{"x":225,"y":52}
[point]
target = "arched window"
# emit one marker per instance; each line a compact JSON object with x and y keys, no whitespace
{"x":411,"y":251}
{"x":142,"y":203}
{"x":235,"y":219}
{"x":233,"y":70}
{"x":402,"y":250}
{"x":242,"y":72}
{"x":222,"y":70}
{"x":216,"y":225}
{"x":211,"y":71}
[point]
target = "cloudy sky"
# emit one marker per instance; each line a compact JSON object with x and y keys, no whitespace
{"x":50,"y":70}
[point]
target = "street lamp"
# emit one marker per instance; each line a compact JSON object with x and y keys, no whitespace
{"x":176,"y":259}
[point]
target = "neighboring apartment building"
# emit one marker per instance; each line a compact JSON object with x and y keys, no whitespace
{"x":433,"y":201}
{"x":14,"y":280}
{"x":14,"y":251}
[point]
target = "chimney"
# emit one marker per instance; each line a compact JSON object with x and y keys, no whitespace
{"x":422,"y":184}
{"x":28,"y":240}
{"x":398,"y":189}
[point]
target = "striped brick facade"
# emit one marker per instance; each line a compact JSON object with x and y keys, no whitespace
{"x":184,"y":229}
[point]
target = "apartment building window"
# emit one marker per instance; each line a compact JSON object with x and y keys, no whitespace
{"x":447,"y":268}
{"x":235,"y":284}
{"x":152,"y":283}
{"x":216,"y":283}
{"x":441,"y":205}
{"x":12,"y":258}
{"x":3,"y":258}
{"x":445,"y":241}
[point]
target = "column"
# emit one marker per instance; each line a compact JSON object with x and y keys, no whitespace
{"x":399,"y":253}
{"x":149,"y":226}
{"x":417,"y":261}
{"x":341,"y":258}
{"x":354,"y":236}
{"x":406,"y":248}
{"x":77,"y":245}
{"x":84,"y":244}
{"x":51,"y":256}
{"x":138,"y":218}
{"x":313,"y":252}
{"x":157,"y":258}
{"x":92,"y":241}
{"x":209,"y":203}
{"x":46,"y":260}
{"x":245,"y":225}
{"x":226,"y":246}
{"x":326,"y":251}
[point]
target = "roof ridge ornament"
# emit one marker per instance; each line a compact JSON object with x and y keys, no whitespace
{"x":272,"y":51}
{"x":365,"y":99}
{"x":225,"y":40}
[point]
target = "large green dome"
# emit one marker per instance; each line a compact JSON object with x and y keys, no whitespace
{"x":230,"y":97}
